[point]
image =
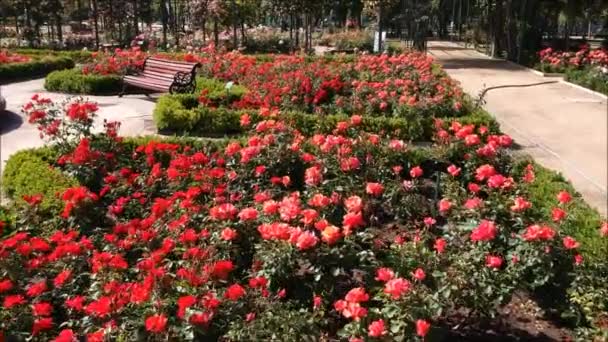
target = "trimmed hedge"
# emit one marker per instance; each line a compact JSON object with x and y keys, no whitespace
{"x":78,"y":56}
{"x":589,"y":78}
{"x":583,"y":222}
{"x":36,"y":68}
{"x":74,"y":82}
{"x":182,"y":114}
{"x":29,"y":172}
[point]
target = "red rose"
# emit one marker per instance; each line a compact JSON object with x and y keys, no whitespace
{"x":493,"y":261}
{"x":156,"y":323}
{"x":564,"y":197}
{"x":570,"y":243}
{"x":234,"y":292}
{"x":416,"y":172}
{"x":376,"y":329}
{"x":384,"y":274}
{"x":422,"y":327}
{"x":374,"y":189}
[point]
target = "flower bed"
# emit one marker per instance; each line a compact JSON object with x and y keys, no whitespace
{"x":349,"y":40}
{"x":371,"y":85}
{"x":278,"y":236}
{"x":101,"y":76}
{"x":16,"y":67}
{"x":78,"y":56}
{"x":7,"y":57}
{"x":586,"y":67}
{"x":401,"y":93}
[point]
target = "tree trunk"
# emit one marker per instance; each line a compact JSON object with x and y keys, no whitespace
{"x":235,"y":39}
{"x":96,"y":18}
{"x":216,"y":33}
{"x":135,"y":17}
{"x":305,"y":32}
{"x":59,"y":27}
{"x":165,"y":20}
{"x":497,"y":29}
{"x":297,"y":31}
{"x":380,"y":25}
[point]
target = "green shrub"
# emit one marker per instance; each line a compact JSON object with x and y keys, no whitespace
{"x":74,"y":82}
{"x":36,"y":68}
{"x":591,"y":78}
{"x":583,"y":222}
{"x":78,"y":56}
{"x":179,"y":114}
{"x":176,"y":112}
{"x":217,"y":91}
{"x":29,"y":172}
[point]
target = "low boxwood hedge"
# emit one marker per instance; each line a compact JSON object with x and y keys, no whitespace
{"x":74,"y":82}
{"x":590,"y":78}
{"x":182,"y":114}
{"x":29,"y":172}
{"x":35,"y":68}
{"x":78,"y":56}
{"x":583,"y":222}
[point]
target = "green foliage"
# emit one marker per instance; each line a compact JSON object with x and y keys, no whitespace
{"x":29,"y":172}
{"x":78,"y":56}
{"x":178,"y":113}
{"x":591,"y":78}
{"x":583,"y":222}
{"x":74,"y":82}
{"x":36,"y":68}
{"x":349,"y":40}
{"x":217,"y":92}
{"x":589,"y":295}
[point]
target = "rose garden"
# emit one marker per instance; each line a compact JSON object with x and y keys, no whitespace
{"x":288,"y":196}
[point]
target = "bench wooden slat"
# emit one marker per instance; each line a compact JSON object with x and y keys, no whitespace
{"x":161,"y":75}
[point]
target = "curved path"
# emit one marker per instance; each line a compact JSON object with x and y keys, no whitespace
{"x":133,"y":111}
{"x":562,"y":126}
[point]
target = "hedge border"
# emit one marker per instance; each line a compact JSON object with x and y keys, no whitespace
{"x":78,"y":56}
{"x":13,"y":72}
{"x":583,"y":222}
{"x":72,"y":81}
{"x":181,"y":114}
{"x":30,"y":172}
{"x":583,"y":78}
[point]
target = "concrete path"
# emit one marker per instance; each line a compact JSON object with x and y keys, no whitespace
{"x":561,"y":126}
{"x":133,"y":111}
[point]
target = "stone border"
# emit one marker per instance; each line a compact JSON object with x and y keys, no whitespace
{"x":605,"y":97}
{"x":544,"y":74}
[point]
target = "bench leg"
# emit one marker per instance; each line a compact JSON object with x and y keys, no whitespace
{"x":122,"y":92}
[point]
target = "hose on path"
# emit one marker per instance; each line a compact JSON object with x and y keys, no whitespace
{"x":480,"y":99}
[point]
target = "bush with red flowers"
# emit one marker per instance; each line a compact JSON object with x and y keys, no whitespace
{"x":15,"y":67}
{"x":348,"y":235}
{"x":7,"y":57}
{"x":586,"y":67}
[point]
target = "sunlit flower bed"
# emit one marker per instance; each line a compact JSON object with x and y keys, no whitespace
{"x":560,"y":61}
{"x":360,"y":84}
{"x":7,"y":57}
{"x":350,"y":235}
{"x":364,"y":84}
{"x":117,"y":62}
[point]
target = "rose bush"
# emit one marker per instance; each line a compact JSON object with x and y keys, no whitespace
{"x":586,"y":67}
{"x":7,"y":57}
{"x":352,"y":235}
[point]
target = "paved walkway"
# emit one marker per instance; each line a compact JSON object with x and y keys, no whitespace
{"x":133,"y":111}
{"x":562,"y":127}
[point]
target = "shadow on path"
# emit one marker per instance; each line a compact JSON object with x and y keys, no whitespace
{"x":477,"y":63}
{"x":9,"y":121}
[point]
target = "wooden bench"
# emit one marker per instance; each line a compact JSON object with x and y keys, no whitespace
{"x":161,"y":75}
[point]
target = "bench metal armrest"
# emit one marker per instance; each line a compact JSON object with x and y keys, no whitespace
{"x":183,"y":78}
